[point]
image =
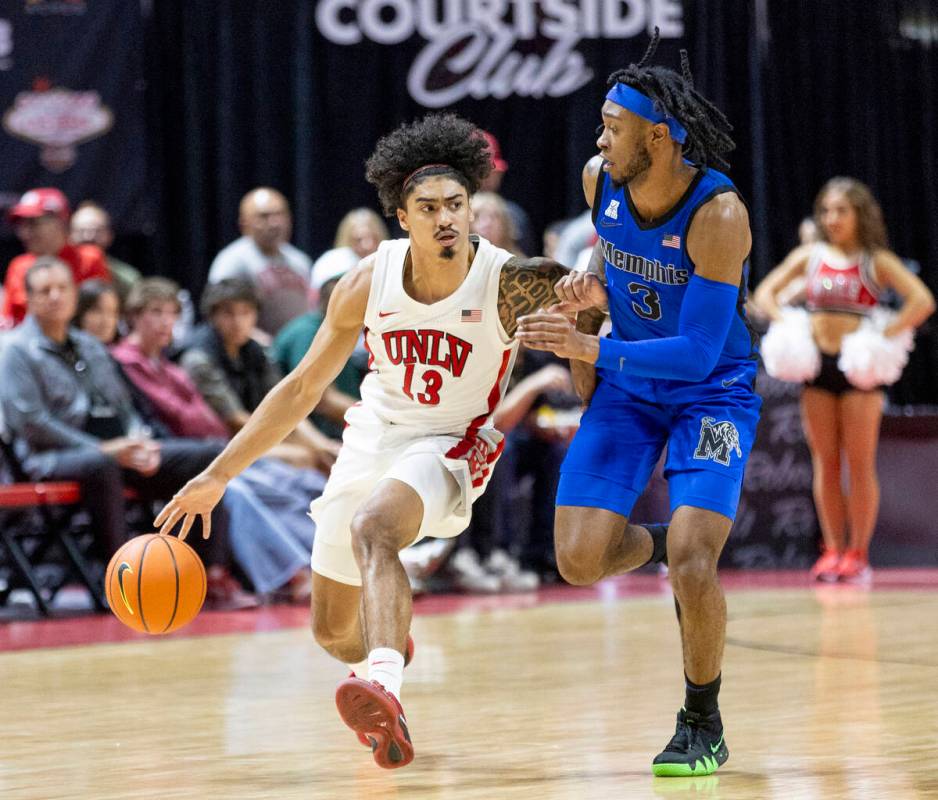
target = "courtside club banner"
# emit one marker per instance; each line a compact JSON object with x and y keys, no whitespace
{"x":480,"y":49}
{"x":71,"y":103}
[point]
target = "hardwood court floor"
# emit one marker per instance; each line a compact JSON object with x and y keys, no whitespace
{"x":828,"y":693}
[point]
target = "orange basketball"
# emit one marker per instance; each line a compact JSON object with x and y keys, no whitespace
{"x":155,"y":584}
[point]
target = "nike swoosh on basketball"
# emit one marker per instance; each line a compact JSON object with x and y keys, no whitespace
{"x":124,"y":567}
{"x":387,"y":313}
{"x":730,"y":382}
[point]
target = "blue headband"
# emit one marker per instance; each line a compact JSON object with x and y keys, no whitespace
{"x":634,"y":101}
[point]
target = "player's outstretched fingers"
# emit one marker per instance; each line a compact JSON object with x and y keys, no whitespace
{"x":169,"y":522}
{"x":206,"y":525}
{"x":186,"y":526}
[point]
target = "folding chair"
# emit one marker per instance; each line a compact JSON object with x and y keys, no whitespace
{"x":34,"y":517}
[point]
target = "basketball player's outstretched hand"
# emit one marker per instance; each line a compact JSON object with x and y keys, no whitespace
{"x":578,"y":291}
{"x":196,"y":499}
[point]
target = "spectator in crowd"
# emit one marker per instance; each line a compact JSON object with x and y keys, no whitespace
{"x":263,"y":255}
{"x":72,"y":417}
{"x":552,"y":238}
{"x":494,"y":554}
{"x":270,"y":532}
{"x":41,"y":222}
{"x":91,"y":224}
{"x":541,"y":422}
{"x":362,"y":230}
{"x":234,"y":373}
{"x":524,"y":233}
{"x":98,"y":311}
{"x":576,"y":237}
{"x":294,"y":340}
{"x":492,"y":221}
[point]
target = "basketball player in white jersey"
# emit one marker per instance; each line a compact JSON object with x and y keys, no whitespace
{"x":440,"y":311}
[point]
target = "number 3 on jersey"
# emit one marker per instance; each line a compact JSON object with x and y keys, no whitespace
{"x":430,"y":396}
{"x":646,"y":304}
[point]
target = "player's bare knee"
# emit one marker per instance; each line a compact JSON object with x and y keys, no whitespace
{"x":692,"y":575}
{"x":578,"y":565}
{"x":374,"y":535}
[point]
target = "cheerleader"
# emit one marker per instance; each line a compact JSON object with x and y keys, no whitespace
{"x":844,"y":353}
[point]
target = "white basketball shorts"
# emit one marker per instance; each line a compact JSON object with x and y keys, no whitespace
{"x":448,"y":473}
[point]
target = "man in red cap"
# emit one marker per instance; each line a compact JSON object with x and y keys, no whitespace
{"x":41,"y":222}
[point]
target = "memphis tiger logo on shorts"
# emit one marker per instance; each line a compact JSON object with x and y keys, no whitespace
{"x":718,"y":440}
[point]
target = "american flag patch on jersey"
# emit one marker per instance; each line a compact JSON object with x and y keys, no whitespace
{"x":672,"y":240}
{"x":471,"y":315}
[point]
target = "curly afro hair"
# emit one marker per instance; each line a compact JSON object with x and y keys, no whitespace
{"x":451,"y":144}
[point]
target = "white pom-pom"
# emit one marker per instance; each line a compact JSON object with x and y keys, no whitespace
{"x":788,"y":348}
{"x":869,"y":359}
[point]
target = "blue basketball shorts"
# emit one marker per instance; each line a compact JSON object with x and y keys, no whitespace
{"x":707,"y":427}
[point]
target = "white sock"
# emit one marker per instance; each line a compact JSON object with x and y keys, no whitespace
{"x":360,"y":669}
{"x":386,"y":666}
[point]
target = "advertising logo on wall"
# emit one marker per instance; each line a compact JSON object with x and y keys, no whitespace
{"x":57,"y":120}
{"x":495,"y":48}
{"x":72,"y":112}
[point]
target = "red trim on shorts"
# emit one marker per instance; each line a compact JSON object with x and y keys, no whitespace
{"x":469,"y":437}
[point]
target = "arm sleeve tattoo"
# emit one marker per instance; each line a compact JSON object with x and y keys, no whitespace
{"x":525,"y":285}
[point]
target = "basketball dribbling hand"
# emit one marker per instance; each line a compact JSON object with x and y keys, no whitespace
{"x":579,"y":291}
{"x":196,"y":499}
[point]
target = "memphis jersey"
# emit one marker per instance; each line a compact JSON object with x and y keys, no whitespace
{"x":439,"y":368}
{"x":648,"y":268}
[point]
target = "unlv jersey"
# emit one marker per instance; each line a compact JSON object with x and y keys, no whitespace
{"x":437,"y":368}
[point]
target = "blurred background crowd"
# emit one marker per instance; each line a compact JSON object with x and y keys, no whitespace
{"x":182,"y":186}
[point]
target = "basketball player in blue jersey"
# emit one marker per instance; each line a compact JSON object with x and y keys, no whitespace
{"x":676,"y":370}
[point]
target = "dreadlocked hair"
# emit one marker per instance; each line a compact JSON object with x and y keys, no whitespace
{"x":443,"y":143}
{"x":708,"y":130}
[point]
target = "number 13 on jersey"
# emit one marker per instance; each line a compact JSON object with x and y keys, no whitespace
{"x":432,"y":381}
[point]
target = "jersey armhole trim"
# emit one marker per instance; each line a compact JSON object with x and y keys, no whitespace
{"x":376,"y":286}
{"x":598,"y":192}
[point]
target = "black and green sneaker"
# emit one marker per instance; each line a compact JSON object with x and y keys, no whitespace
{"x":697,"y":747}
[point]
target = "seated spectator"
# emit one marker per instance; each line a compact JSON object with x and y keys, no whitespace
{"x":234,"y":373}
{"x":91,"y":224}
{"x":64,"y":401}
{"x":495,"y":553}
{"x":263,"y":255}
{"x":493,"y":222}
{"x":541,"y":424}
{"x":41,"y":222}
{"x":98,"y":311}
{"x":268,"y":504}
{"x":524,"y":233}
{"x":294,"y":340}
{"x":576,"y":236}
{"x":362,"y":230}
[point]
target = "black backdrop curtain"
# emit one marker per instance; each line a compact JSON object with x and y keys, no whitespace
{"x":243,"y":93}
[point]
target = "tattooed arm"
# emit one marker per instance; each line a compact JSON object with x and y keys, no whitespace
{"x":526,"y":285}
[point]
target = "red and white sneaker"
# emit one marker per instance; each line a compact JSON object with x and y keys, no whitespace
{"x":408,"y":657}
{"x":375,"y":714}
{"x":827,"y":566}
{"x":854,"y":567}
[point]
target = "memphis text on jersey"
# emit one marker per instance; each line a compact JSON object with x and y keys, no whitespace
{"x":431,"y":347}
{"x":650,"y":270}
